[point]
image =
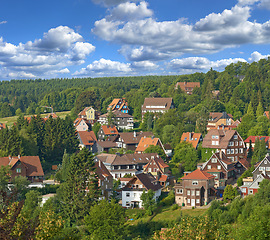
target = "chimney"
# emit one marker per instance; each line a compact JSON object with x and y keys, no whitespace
{"x":99,"y":163}
{"x":9,"y":157}
{"x":220,"y":154}
{"x":19,"y":156}
{"x":190,"y":136}
{"x":134,"y":134}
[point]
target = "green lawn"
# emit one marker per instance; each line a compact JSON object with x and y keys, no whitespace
{"x":9,"y":121}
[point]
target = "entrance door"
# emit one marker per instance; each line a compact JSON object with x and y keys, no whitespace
{"x":192,"y":202}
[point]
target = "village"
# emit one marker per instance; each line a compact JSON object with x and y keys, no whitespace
{"x":136,"y":170}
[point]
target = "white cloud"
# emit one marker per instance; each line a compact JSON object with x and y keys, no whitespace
{"x":148,"y":39}
{"x":3,"y":22}
{"x":105,"y":67}
{"x":130,"y":11}
{"x":60,"y":47}
{"x":200,"y":64}
{"x":256,"y":56}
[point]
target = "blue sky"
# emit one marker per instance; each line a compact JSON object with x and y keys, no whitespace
{"x":97,"y":38}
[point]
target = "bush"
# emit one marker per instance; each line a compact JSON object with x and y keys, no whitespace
{"x":175,"y":207}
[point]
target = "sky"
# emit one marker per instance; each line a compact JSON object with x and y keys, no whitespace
{"x":99,"y":38}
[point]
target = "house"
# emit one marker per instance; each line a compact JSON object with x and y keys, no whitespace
{"x":52,"y":115}
{"x":266,"y":114}
{"x":168,"y":150}
{"x":119,"y":104}
{"x":219,"y":119}
{"x":107,"y":131}
{"x":120,"y":119}
{"x":26,"y":166}
{"x":159,"y":169}
{"x":251,"y":187}
{"x":125,"y":164}
{"x":131,"y":193}
{"x":105,"y":146}
{"x":221,"y":168}
{"x":227,"y":141}
{"x":124,"y":181}
{"x":187,"y":87}
{"x":90,"y":114}
{"x":105,"y":179}
{"x":145,"y":142}
{"x":88,"y":140}
{"x":130,"y":140}
{"x":253,"y":140}
{"x":262,"y":167}
{"x":157,"y":105}
{"x":81,"y":124}
{"x":195,"y":189}
{"x":241,"y":166}
{"x":193,"y":138}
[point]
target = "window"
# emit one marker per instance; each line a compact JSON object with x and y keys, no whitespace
{"x":214,"y":160}
{"x":265,"y":162}
{"x":180,"y":191}
{"x":134,"y":194}
{"x":188,"y":201}
{"x":197,"y":193}
{"x":194,"y":182}
{"x":218,"y":167}
{"x":250,"y":191}
{"x":240,"y":143}
{"x":228,"y":151}
{"x":197,"y":200}
{"x":208,"y":166}
{"x":243,"y":190}
{"x":188,"y":192}
{"x":232,"y":151}
{"x":18,"y":170}
{"x":127,"y":194}
{"x":193,"y":193}
{"x":267,"y":168}
{"x":261,"y":168}
{"x":231,"y":144}
{"x":236,"y":143}
{"x":236,"y":151}
{"x":214,"y":142}
{"x":235,"y":137}
{"x":240,"y":150}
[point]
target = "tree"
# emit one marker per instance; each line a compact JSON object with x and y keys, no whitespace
{"x":259,"y":151}
{"x":250,"y":151}
{"x":80,"y":189}
{"x":202,"y":120}
{"x":148,"y":201}
{"x":106,"y":221}
{"x":260,"y":110}
{"x":229,"y":193}
{"x":156,"y":149}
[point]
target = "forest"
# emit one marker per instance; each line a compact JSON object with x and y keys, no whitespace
{"x":73,"y":214}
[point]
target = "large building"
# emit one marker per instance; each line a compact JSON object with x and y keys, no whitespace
{"x":156,"y":105}
{"x":187,"y":87}
{"x":119,"y":104}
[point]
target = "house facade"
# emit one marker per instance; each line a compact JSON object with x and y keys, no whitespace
{"x":187,"y":87}
{"x":119,"y":104}
{"x":263,"y":167}
{"x":251,"y":187}
{"x":221,"y":168}
{"x":81,"y":124}
{"x":88,"y":140}
{"x":107,"y":131}
{"x":227,"y":141}
{"x":131,"y":193}
{"x":25,"y":166}
{"x":90,"y":114}
{"x":195,"y":189}
{"x":120,"y":119}
{"x":217,"y":119}
{"x":156,"y":105}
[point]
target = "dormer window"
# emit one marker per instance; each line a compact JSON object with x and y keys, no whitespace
{"x":18,"y":170}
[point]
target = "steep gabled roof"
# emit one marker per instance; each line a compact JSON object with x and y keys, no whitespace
{"x":198,"y":175}
{"x":102,"y":171}
{"x":156,"y":103}
{"x":109,"y":129}
{"x":215,"y":116}
{"x":191,"y":137}
{"x":87,"y":138}
{"x":114,"y":103}
{"x":134,"y":137}
{"x":267,"y":158}
{"x":117,"y":114}
{"x":145,"y":142}
{"x":32,"y":164}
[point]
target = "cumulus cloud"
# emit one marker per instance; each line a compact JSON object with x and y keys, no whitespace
{"x":199,"y":64}
{"x":59,"y":48}
{"x":145,"y":39}
{"x":256,"y":56}
{"x":3,"y":22}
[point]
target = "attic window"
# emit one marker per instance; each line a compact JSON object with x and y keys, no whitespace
{"x":18,"y":170}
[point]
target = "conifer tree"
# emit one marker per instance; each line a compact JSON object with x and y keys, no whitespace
{"x":259,"y":111}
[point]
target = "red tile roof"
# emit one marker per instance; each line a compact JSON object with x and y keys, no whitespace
{"x":109,"y":130}
{"x":192,"y":138}
{"x":87,"y":138}
{"x":32,"y":164}
{"x":187,"y":86}
{"x":198,"y":175}
{"x":145,"y":142}
{"x":253,"y":138}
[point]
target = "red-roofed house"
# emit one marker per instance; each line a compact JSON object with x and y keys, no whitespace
{"x":145,"y":142}
{"x":266,"y":114}
{"x":26,"y":166}
{"x":107,"y":131}
{"x":119,"y":104}
{"x":193,"y":138}
{"x":195,"y":189}
{"x":81,"y":124}
{"x":159,"y":169}
{"x":88,"y":140}
{"x":187,"y":87}
{"x":253,"y":140}
{"x":90,"y":114}
{"x":105,"y":179}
